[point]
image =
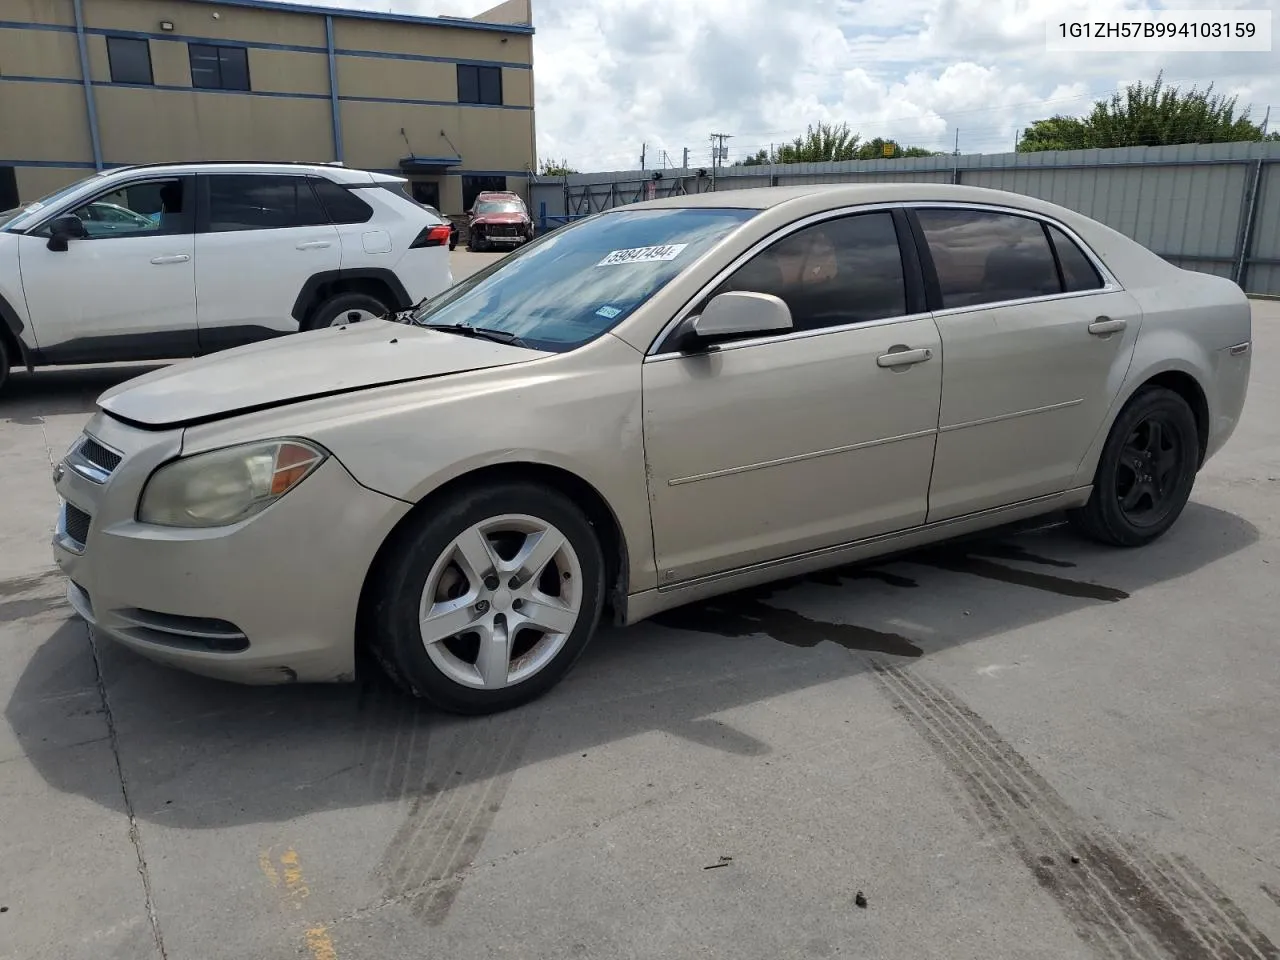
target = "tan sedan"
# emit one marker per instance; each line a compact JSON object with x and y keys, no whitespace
{"x":664,"y":402}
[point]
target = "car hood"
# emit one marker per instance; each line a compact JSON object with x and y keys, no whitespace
{"x":298,"y":367}
{"x":500,"y":218}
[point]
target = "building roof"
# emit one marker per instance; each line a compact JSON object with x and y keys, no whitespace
{"x":457,"y":23}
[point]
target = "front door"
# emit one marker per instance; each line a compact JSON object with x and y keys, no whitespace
{"x":261,"y":238}
{"x":778,"y":445}
{"x":1036,"y":349}
{"x":127,"y":290}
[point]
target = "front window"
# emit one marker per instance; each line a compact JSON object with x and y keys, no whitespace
{"x":499,"y":206}
{"x":20,"y":217}
{"x":574,"y":284}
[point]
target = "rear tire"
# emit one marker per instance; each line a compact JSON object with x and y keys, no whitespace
{"x":1145,"y":474}
{"x":487,"y":600}
{"x":333,"y":312}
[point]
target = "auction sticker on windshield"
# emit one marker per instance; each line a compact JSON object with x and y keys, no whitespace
{"x":665,"y":251}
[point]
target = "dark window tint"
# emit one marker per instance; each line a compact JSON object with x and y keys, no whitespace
{"x":342,"y":205}
{"x":130,"y":60}
{"x":152,"y":208}
{"x":262,"y":202}
{"x":986,"y":257}
{"x":1077,"y":272}
{"x":832,"y":273}
{"x":472,"y":187}
{"x":219,"y":68}
{"x":479,"y":84}
{"x":8,"y":188}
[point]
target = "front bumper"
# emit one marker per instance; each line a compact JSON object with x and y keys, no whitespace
{"x":270,"y":600}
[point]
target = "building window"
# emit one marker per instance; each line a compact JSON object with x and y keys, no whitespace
{"x":219,"y":68}
{"x":130,"y":60}
{"x":479,"y":84}
{"x":472,"y":187}
{"x":9,"y":188}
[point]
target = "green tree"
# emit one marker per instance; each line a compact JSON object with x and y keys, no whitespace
{"x":555,"y":168}
{"x":830,"y":142}
{"x":1146,"y":115}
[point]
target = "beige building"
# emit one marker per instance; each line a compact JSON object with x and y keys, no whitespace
{"x":92,"y":84}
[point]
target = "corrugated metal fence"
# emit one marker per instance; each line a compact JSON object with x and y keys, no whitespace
{"x":1208,"y":207}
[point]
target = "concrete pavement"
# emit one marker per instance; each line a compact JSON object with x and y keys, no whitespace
{"x":943,"y":733}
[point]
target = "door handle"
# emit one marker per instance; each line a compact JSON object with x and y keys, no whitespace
{"x":175,"y":258}
{"x":314,"y":245}
{"x":904,"y":358}
{"x":1105,"y":325}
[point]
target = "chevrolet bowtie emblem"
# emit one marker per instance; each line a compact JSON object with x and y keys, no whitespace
{"x":58,"y":471}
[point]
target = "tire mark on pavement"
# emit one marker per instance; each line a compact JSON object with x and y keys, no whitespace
{"x":1126,"y":901}
{"x":450,"y":811}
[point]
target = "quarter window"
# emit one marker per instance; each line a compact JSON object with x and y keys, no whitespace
{"x":481,"y":85}
{"x":219,"y":68}
{"x":983,"y":257}
{"x":130,"y":60}
{"x":262,"y":202}
{"x":153,"y":208}
{"x":831,"y":273}
{"x":1078,"y":273}
{"x":342,"y":205}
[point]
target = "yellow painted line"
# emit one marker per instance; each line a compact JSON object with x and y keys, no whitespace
{"x":320,"y":945}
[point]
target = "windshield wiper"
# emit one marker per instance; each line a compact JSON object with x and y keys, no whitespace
{"x":480,"y":333}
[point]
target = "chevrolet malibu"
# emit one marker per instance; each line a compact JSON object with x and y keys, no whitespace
{"x":657,"y":404}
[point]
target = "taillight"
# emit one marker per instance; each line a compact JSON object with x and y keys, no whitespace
{"x":437,"y":236}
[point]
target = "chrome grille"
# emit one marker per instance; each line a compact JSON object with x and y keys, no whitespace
{"x":99,"y":455}
{"x":75,"y":524}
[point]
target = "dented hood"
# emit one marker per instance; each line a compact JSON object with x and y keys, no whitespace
{"x":298,"y":367}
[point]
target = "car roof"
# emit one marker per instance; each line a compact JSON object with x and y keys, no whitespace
{"x":340,"y":174}
{"x":819,"y":196}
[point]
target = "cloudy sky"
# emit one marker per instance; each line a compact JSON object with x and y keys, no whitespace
{"x":613,"y":74}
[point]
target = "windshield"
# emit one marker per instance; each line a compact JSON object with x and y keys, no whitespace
{"x":499,"y":206}
{"x":15,"y":218}
{"x":574,"y":284}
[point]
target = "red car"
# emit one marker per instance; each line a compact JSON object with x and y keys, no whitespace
{"x":498,"y":219}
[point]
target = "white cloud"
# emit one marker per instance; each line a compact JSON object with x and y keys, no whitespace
{"x":613,"y":74}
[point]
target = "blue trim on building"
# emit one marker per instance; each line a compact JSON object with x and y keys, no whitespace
{"x":172,"y":88}
{"x":346,"y":14}
{"x":85,"y":78}
{"x":333,"y":90}
{"x":258,"y":44}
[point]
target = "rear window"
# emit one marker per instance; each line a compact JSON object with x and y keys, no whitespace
{"x":342,"y":205}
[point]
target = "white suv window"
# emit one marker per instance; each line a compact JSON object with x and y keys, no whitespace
{"x":142,"y":208}
{"x":258,"y":201}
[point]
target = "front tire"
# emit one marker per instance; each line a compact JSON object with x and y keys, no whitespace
{"x":1145,"y":474}
{"x":334,"y":311}
{"x":487,"y":600}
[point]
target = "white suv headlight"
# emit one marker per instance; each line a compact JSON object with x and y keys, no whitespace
{"x":222,"y":487}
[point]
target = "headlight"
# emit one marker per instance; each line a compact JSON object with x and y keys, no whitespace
{"x":225,"y":486}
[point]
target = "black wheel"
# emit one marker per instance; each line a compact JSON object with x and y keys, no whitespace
{"x":1145,"y":473}
{"x":488,"y":600}
{"x":4,"y":363}
{"x":337,"y":310}
{"x":475,"y":244}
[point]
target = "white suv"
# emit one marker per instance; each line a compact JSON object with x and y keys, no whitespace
{"x":165,"y":261}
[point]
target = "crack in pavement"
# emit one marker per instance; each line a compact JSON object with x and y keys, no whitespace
{"x":135,"y":836}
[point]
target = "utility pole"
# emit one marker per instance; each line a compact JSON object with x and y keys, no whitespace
{"x":1264,"y":121}
{"x":717,"y":150}
{"x":957,"y":153}
{"x":642,"y":146}
{"x":684,"y":164}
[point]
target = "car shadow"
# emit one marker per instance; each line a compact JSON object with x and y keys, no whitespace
{"x":203,"y":754}
{"x":51,"y":391}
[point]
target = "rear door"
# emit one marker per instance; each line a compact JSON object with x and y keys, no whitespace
{"x":260,"y":238}
{"x":1037,"y":341}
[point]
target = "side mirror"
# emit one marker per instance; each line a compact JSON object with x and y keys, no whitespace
{"x":69,"y":227}
{"x":735,"y":314}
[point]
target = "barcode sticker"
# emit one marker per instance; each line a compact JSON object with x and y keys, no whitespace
{"x":666,"y":251}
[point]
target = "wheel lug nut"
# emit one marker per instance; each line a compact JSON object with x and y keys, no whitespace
{"x":491,"y":582}
{"x":482,"y":606}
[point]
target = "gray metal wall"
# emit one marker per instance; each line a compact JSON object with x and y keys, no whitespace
{"x":1208,"y":207}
